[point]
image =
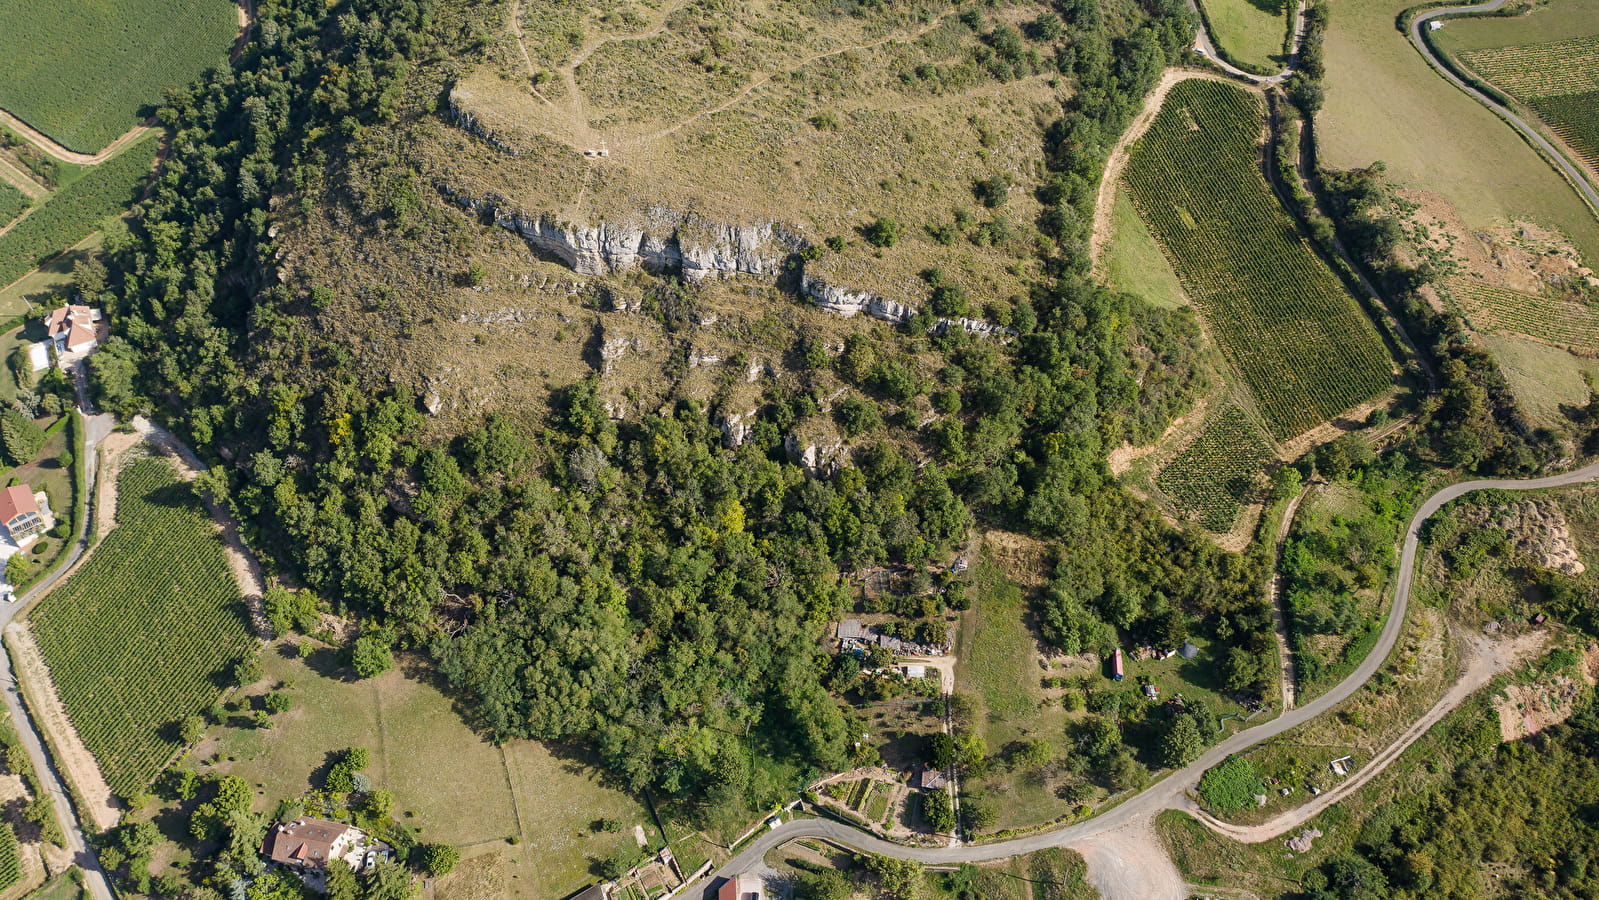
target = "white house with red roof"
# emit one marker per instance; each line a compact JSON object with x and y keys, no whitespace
{"x":72,"y":328}
{"x":20,"y":514}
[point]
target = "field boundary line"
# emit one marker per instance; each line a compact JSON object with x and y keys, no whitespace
{"x":44,"y":142}
{"x":22,"y":181}
{"x":78,"y":765}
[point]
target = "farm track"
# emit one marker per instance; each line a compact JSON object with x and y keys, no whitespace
{"x":1171,"y":791}
{"x":1568,"y":170}
{"x":1288,"y":676}
{"x":71,"y":753}
{"x":22,"y":181}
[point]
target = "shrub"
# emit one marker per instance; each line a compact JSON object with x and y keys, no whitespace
{"x":882,"y":233}
{"x":1232,"y":785}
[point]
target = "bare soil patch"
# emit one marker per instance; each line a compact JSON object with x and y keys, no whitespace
{"x":71,"y":755}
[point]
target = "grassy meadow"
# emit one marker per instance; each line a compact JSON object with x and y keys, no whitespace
{"x":1385,"y":103}
{"x":1133,"y":261}
{"x":1251,"y":32}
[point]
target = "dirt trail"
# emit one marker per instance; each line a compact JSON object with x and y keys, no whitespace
{"x":1099,"y":234}
{"x":1288,"y":677}
{"x":74,"y":759}
{"x":21,"y":180}
{"x":1485,"y":659}
{"x":44,"y":143}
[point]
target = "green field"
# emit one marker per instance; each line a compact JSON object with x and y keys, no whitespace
{"x":12,"y":203}
{"x":81,"y":72}
{"x":137,"y":637}
{"x":1250,"y":33}
{"x":1282,"y":319}
{"x":74,"y":212}
{"x":1133,"y":261}
{"x":546,"y":800}
{"x":1219,"y":472}
{"x":51,"y":281}
{"x":1385,"y":103}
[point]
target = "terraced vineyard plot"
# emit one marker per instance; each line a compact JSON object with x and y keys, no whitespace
{"x":80,"y":72}
{"x":12,"y":203}
{"x":1558,"y":79}
{"x":136,"y":637}
{"x":1575,"y":117}
{"x":1493,"y":308}
{"x":1219,"y":472}
{"x":1282,"y":319}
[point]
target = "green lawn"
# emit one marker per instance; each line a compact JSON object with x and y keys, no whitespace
{"x":1133,"y":261}
{"x":1252,"y":32}
{"x":1555,"y":21}
{"x":1544,"y":379}
{"x":65,"y":886}
{"x":49,"y":282}
{"x":1385,"y":103}
{"x":82,"y":72}
{"x":546,"y":798}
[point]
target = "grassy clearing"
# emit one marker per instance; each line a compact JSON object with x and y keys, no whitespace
{"x":137,"y":637}
{"x":49,"y":282}
{"x":1283,"y":320}
{"x":1545,"y":22}
{"x":1546,"y":381}
{"x":1213,"y":478}
{"x":66,"y":886}
{"x":1133,"y":261}
{"x":541,"y":798}
{"x":1384,"y":102}
{"x":74,"y":212}
{"x":1250,"y":31}
{"x":82,"y":72}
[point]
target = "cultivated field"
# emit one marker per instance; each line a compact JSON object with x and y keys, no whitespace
{"x":1562,"y":322}
{"x":82,"y":72}
{"x":139,"y":636}
{"x":73,"y":212}
{"x":1559,"y":80}
{"x":1301,"y":343}
{"x":1251,"y":32}
{"x":12,"y":203}
{"x":1221,"y":471}
{"x":1385,"y":103}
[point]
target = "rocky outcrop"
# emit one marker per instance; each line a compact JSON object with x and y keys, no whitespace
{"x":845,"y":302}
{"x":462,"y":118}
{"x":662,"y":240}
{"x":1538,"y":530}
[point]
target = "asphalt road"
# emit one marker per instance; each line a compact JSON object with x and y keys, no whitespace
{"x":1577,"y":178}
{"x":1204,"y":43}
{"x":1171,"y":791}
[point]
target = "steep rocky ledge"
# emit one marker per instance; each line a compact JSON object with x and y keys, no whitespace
{"x":663,"y":240}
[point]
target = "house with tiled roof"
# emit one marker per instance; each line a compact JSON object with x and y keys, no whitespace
{"x":307,"y":845}
{"x":20,"y":514}
{"x":72,"y":328}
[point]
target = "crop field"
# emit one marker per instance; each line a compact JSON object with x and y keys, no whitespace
{"x":1558,"y":79}
{"x":1281,"y":318}
{"x":75,"y":211}
{"x":1249,"y":32}
{"x":12,"y":203}
{"x":136,"y":638}
{"x":1492,"y":308}
{"x":1219,"y":472}
{"x":82,"y":72}
{"x":10,"y":860}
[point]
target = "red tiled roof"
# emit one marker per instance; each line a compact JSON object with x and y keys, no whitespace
{"x":15,"y":501}
{"x":303,"y":842}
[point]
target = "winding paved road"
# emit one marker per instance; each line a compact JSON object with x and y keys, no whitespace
{"x":1558,"y":159}
{"x":1171,"y":791}
{"x":1206,"y":45}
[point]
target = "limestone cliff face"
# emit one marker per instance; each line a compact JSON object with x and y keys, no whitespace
{"x":658,"y":240}
{"x":662,"y":239}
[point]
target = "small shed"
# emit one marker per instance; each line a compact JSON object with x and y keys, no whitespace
{"x":932,"y":779}
{"x":1189,"y":651}
{"x":1340,"y":766}
{"x":1116,"y":665}
{"x":914,"y":671}
{"x":1151,"y":691}
{"x":850,"y":629}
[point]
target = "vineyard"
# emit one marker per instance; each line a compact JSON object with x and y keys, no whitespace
{"x":1575,"y":117}
{"x":1561,"y":322}
{"x":1282,"y":319}
{"x":12,"y":203}
{"x":74,"y":212}
{"x":1558,"y":79}
{"x":1219,"y":472}
{"x":135,"y":639}
{"x":82,"y":72}
{"x":10,"y":857}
